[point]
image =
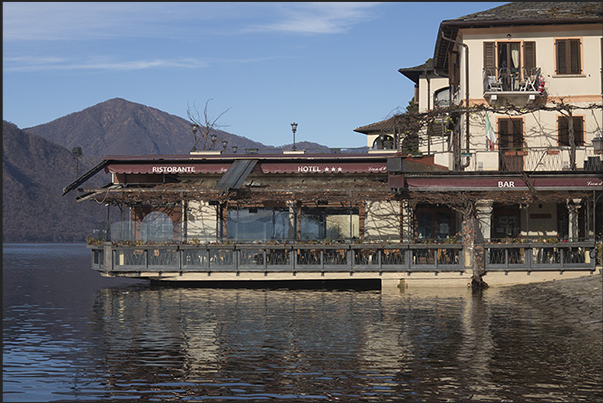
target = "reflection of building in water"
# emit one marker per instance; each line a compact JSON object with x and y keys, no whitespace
{"x":416,"y":345}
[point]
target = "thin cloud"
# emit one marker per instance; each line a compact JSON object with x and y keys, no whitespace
{"x":317,"y":18}
{"x":29,"y":64}
{"x":27,"y":21}
{"x":33,"y":64}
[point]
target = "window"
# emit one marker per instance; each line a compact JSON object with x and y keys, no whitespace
{"x":512,"y":61}
{"x":442,"y":98}
{"x":563,"y":130}
{"x":569,"y":56}
{"x":510,"y":143}
{"x":510,"y":134}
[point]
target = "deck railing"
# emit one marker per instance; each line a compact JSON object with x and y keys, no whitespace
{"x":277,"y":258}
{"x":351,"y":258}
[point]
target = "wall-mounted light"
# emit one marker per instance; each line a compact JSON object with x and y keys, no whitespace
{"x":508,"y":36}
{"x":598,"y":142}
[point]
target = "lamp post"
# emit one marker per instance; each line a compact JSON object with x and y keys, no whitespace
{"x":294,"y":129}
{"x":194,"y":128}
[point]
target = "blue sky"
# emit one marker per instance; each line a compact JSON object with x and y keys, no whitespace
{"x":330,"y":67}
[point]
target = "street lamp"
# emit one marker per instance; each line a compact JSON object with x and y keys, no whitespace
{"x":598,"y":142}
{"x":194,"y":128}
{"x":224,"y":144}
{"x":294,"y":129}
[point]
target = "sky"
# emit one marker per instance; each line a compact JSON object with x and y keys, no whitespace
{"x":329,"y":67}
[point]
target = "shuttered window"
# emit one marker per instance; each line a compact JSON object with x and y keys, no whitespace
{"x":563,"y":138}
{"x":454,"y":68}
{"x":529,"y":55}
{"x":510,"y":134}
{"x":569,"y":58}
{"x":489,"y":55}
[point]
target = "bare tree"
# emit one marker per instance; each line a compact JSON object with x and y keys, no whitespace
{"x":203,"y":126}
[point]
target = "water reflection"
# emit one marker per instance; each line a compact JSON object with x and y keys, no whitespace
{"x":419,"y":345}
{"x":70,"y":335}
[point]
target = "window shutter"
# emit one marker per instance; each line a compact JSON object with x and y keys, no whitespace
{"x":517,"y":132}
{"x":562,"y":132}
{"x":575,"y":62}
{"x":529,"y":55}
{"x":561,"y":66}
{"x":454,"y":69}
{"x":578,"y":131}
{"x":569,"y":60}
{"x":489,"y":55}
{"x":504,"y":134}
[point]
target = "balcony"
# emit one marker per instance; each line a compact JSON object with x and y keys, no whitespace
{"x":502,"y":86}
{"x":528,"y":159}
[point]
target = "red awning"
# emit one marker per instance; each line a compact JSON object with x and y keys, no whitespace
{"x":167,"y":168}
{"x":309,"y":167}
{"x":473,"y":183}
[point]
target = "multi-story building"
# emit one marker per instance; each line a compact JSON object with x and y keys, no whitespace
{"x":502,"y":149}
{"x":519,"y":92}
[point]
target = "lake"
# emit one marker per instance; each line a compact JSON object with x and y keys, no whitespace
{"x":70,"y":334}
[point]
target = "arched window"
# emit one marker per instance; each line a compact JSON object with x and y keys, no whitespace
{"x":441,"y":98}
{"x":383,"y":142}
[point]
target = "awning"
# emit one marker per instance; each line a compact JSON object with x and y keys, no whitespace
{"x":308,"y":167}
{"x":168,"y":168}
{"x":507,"y":183}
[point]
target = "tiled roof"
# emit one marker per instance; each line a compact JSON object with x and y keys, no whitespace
{"x":513,"y":14}
{"x":548,"y":12}
{"x":384,"y":126}
{"x":413,"y":73}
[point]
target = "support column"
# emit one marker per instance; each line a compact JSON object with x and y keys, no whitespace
{"x":573,"y":206}
{"x":484,"y":220}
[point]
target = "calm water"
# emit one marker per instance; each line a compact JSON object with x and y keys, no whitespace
{"x":70,"y":334}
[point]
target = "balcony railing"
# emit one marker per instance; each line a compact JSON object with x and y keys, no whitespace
{"x":529,"y":159}
{"x":504,"y":80}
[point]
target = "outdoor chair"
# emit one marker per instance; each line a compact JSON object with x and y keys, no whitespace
{"x":530,"y":81}
{"x":493,"y":83}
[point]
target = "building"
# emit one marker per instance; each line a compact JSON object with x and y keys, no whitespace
{"x":495,"y":174}
{"x":517,"y":90}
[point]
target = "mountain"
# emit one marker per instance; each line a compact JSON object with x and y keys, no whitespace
{"x":34,"y":173}
{"x":121,"y":127}
{"x":38,"y":163}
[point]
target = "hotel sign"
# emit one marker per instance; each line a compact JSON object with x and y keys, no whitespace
{"x":324,"y":168}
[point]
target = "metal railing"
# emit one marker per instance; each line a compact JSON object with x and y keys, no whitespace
{"x":540,"y":256}
{"x":340,"y":258}
{"x":511,"y":80}
{"x":277,"y":258}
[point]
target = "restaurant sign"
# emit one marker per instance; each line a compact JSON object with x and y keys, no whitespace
{"x":168,"y":168}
